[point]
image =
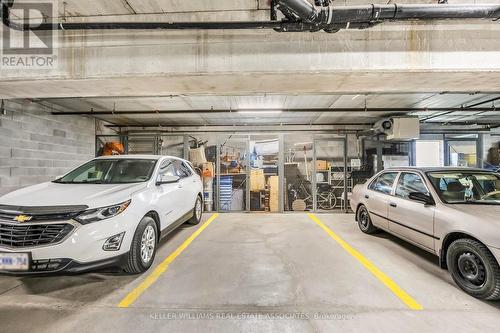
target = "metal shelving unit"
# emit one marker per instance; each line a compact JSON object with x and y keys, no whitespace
{"x":336,"y":179}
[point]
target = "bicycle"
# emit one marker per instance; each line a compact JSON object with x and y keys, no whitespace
{"x":326,"y":198}
{"x":301,"y":198}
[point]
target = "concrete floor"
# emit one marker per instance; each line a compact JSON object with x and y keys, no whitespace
{"x":251,"y":271}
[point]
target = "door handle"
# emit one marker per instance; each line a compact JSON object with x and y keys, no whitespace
{"x":367,"y":196}
{"x":392,"y":204}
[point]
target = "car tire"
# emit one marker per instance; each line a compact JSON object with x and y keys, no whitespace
{"x":143,"y":248}
{"x":364,"y":221}
{"x":197,"y":212}
{"x":474,"y":269}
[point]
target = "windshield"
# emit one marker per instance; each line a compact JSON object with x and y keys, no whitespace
{"x":110,"y":171}
{"x":466,"y":187}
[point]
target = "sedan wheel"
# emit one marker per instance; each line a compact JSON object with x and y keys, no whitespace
{"x":471,"y":269}
{"x":365,"y":222}
{"x":474,"y":269}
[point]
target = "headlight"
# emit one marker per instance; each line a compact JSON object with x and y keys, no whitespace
{"x":99,"y":214}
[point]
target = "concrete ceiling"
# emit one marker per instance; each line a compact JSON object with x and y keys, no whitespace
{"x":130,"y":7}
{"x":79,"y":8}
{"x":404,"y":65}
{"x":192,"y":103}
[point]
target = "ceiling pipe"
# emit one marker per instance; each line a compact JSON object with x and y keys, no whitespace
{"x":333,"y":18}
{"x":303,"y":9}
{"x":6,"y":5}
{"x":300,"y":16}
{"x":320,"y":128}
{"x":228,"y":127}
{"x":250,"y":128}
{"x":468,"y":107}
{"x":267,"y":111}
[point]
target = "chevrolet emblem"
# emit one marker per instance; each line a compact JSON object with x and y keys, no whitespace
{"x":22,"y":218}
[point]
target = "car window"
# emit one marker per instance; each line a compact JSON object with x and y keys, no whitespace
{"x":183,"y":170}
{"x":467,"y":186}
{"x":167,"y":168}
{"x":408,"y":183}
{"x":384,"y":182}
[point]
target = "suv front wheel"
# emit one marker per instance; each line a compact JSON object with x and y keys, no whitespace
{"x":197,"y":212}
{"x":143,"y":248}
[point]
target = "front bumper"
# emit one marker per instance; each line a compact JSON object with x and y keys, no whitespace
{"x":66,"y":265}
{"x":82,"y":248}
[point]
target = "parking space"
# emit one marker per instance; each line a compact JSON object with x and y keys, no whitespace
{"x":254,"y":272}
{"x":243,"y":135}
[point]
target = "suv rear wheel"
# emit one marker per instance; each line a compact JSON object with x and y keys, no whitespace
{"x":474,"y":269}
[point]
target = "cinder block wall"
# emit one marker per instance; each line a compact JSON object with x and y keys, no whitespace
{"x":36,"y":146}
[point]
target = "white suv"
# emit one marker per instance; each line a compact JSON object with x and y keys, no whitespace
{"x":110,"y":211}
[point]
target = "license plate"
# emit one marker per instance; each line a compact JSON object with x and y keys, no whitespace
{"x":14,"y":261}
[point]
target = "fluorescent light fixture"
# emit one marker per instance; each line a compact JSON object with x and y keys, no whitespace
{"x":259,"y":112}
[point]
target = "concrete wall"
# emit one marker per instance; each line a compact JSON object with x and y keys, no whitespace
{"x":37,"y":146}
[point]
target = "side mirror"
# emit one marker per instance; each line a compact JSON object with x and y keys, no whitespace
{"x":166,"y":179}
{"x":421,"y":197}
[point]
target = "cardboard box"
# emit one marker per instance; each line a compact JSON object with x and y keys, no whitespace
{"x":257,"y":180}
{"x":321,"y":165}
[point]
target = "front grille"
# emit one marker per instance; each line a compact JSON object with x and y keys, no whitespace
{"x":45,"y":213}
{"x":18,"y":236}
{"x":49,"y":265}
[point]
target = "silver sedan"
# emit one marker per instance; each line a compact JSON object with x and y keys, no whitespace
{"x":451,"y":212}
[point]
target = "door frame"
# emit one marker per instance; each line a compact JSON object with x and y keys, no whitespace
{"x":247,"y":137}
{"x":379,"y":145}
{"x":238,"y":138}
{"x":479,"y":149}
{"x":316,"y":140}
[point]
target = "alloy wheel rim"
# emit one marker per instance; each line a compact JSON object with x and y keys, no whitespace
{"x":471,"y":269}
{"x":363,"y":218}
{"x":148,"y":243}
{"x":198,"y":209}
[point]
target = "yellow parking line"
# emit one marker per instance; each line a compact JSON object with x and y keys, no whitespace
{"x":151,"y":278}
{"x":387,"y":281}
